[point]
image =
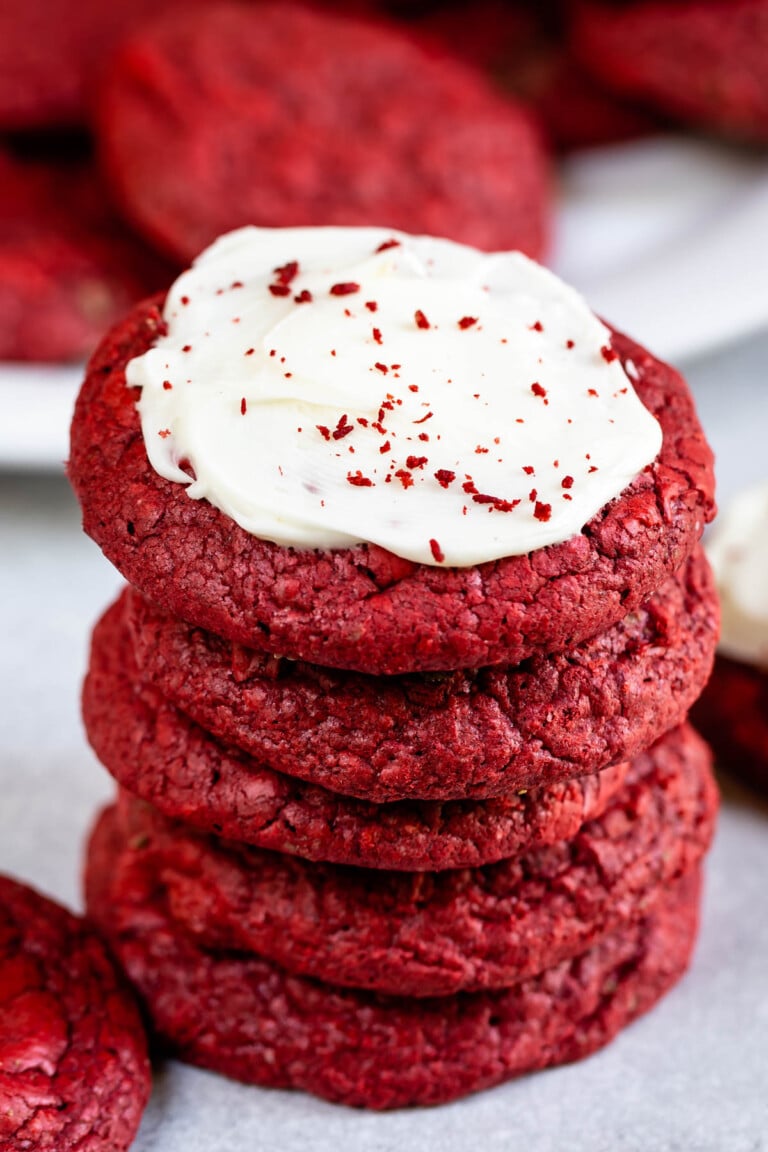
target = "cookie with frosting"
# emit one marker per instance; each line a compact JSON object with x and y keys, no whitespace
{"x":230,"y":114}
{"x":74,"y":1073}
{"x":733,"y":711}
{"x":250,"y":1019}
{"x":386,"y":453}
{"x":443,"y":736}
{"x":414,"y":934}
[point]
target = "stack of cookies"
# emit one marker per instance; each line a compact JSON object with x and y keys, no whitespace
{"x":396,"y":699}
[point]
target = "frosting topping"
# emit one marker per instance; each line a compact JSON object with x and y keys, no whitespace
{"x":737,"y":548}
{"x":327,"y":386}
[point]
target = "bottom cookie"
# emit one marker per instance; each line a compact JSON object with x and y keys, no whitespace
{"x":732,"y":715}
{"x":247,"y":1018}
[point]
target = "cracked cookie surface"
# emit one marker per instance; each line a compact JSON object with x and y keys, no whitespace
{"x":74,"y":1073}
{"x":156,"y":753}
{"x":444,"y":736}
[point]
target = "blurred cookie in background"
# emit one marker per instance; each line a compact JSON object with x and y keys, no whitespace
{"x":68,"y":266}
{"x":263,"y":114}
{"x":704,"y":62}
{"x":733,"y":712}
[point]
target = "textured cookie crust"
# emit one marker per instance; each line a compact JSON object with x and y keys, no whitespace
{"x":702,"y":61}
{"x":413,"y":934}
{"x":444,"y":736}
{"x":363,"y":608}
{"x":410,"y":141}
{"x":74,"y":1074}
{"x":156,"y":753}
{"x":733,"y":716}
{"x":249,"y":1019}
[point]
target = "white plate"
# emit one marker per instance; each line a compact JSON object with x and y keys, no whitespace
{"x":667,"y":238}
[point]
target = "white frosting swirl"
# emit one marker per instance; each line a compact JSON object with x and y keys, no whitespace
{"x":737,"y":548}
{"x":326,"y":387}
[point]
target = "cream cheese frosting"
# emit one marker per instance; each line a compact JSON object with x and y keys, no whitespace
{"x":737,"y":548}
{"x":327,"y":386}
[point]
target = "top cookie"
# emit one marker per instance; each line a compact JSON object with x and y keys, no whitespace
{"x":231,"y":114}
{"x":362,"y":607}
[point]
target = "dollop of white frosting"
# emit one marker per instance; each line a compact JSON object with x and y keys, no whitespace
{"x":326,"y":386}
{"x":737,"y":548}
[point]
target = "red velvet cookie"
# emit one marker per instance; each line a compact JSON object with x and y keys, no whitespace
{"x":74,"y":1074}
{"x":364,"y":608}
{"x":411,"y":934}
{"x":733,"y":716}
{"x":702,"y":61}
{"x":159,"y":755}
{"x":445,"y":736}
{"x":51,"y":51}
{"x":249,"y":1019}
{"x":237,"y":114}
{"x":68,"y":267}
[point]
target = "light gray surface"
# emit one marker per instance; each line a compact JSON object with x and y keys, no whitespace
{"x":692,"y":1076}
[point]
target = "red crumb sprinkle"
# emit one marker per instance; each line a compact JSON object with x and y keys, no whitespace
{"x":592,"y":392}
{"x":411,"y":387}
{"x":357,"y":480}
{"x":371,"y":305}
{"x":185,"y":300}
{"x":377,"y":335}
{"x":424,"y":436}
{"x":538,"y":390}
{"x":416,"y":461}
{"x":542,"y":512}
{"x":250,"y":352}
{"x":388,"y":244}
{"x":381,"y":368}
{"x":567,"y":496}
{"x":362,"y":420}
{"x":187,"y":348}
{"x":236,"y":284}
{"x":528,"y":469}
{"x":303,"y":297}
{"x":437,"y":551}
{"x":608,"y":354}
{"x":346,"y":288}
{"x":324,"y":432}
{"x":279,"y":289}
{"x":537,"y":326}
{"x":385,"y":447}
{"x":593,"y":469}
{"x":467,"y":321}
{"x":532,"y":495}
{"x":343,"y":428}
{"x":273,"y":352}
{"x":164,"y":433}
{"x":570,"y":344}
{"x":243,"y":407}
{"x":285,"y":273}
{"x":404,"y":477}
{"x":496,"y":503}
{"x":444,"y":477}
{"x":469,"y":486}
{"x":167,"y":385}
{"x":567,"y":482}
{"x":421,"y":320}
{"x":480,"y":451}
{"x":428,"y":416}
